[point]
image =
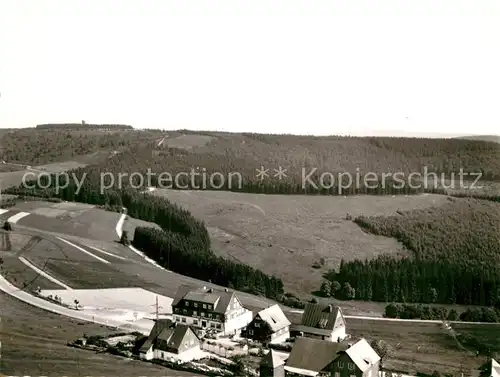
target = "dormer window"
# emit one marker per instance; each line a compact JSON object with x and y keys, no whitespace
{"x":322,"y":323}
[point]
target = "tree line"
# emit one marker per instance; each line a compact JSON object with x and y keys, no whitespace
{"x":440,"y":313}
{"x":74,"y":126}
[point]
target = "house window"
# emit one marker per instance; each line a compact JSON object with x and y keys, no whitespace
{"x":209,"y":315}
{"x":195,"y":313}
{"x":209,"y":307}
{"x":257,"y":324}
{"x":184,"y":311}
{"x":351,"y":366}
{"x":218,"y":326}
{"x":186,"y":303}
{"x":195,"y":304}
{"x":204,"y":306}
{"x":250,"y":332}
{"x":183,"y":319}
{"x":341,"y":365}
{"x":212,"y":325}
{"x":337,"y":374}
{"x":202,"y":314}
{"x":195,"y":322}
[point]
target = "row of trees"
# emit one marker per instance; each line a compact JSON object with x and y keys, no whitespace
{"x":426,"y":312}
{"x":83,"y":125}
{"x":182,"y":244}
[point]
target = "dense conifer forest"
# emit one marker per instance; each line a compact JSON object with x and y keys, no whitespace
{"x":454,"y":256}
{"x":243,"y":153}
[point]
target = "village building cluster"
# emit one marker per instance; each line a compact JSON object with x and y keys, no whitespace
{"x":321,"y":345}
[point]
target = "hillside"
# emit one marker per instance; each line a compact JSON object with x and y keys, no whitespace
{"x":282,"y":240}
{"x":243,"y":153}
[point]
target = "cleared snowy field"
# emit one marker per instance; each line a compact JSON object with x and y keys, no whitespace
{"x":117,"y":304}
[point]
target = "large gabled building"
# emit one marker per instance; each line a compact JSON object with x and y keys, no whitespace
{"x":313,"y":357}
{"x":210,"y":309}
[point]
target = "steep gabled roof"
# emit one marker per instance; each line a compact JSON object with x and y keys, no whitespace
{"x":274,"y":317}
{"x":181,"y":292}
{"x":220,"y":299}
{"x":158,"y":327}
{"x":313,"y":354}
{"x":272,"y":360}
{"x":320,"y":316}
{"x":172,"y":337}
{"x":362,"y":354}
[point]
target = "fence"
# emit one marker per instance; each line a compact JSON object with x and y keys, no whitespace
{"x":224,"y":351}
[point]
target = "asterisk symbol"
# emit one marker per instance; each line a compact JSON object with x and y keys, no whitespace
{"x":280,"y":173}
{"x":262,"y":173}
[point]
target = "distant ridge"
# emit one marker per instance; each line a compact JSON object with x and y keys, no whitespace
{"x":493,"y":138}
{"x":85,"y":126}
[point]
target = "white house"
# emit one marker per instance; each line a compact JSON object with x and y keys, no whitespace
{"x":171,"y":342}
{"x":206,"y":308}
{"x":269,"y":325}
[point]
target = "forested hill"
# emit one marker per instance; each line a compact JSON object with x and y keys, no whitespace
{"x":83,"y":126}
{"x":174,"y":151}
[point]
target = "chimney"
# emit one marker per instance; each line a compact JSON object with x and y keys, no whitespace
{"x":226,"y":290}
{"x":330,"y":308}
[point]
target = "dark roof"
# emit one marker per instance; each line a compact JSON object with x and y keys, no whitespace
{"x":181,"y":292}
{"x":272,"y":359}
{"x":172,"y":337}
{"x":320,"y":316}
{"x":219,"y":298}
{"x":314,"y":354}
{"x":158,"y":327}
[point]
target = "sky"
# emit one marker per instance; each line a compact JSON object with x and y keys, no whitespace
{"x":385,"y":67}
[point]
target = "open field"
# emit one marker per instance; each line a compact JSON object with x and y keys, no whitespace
{"x":120,"y":303}
{"x":76,"y":219}
{"x":420,"y":346}
{"x":34,"y":344}
{"x":285,"y":235}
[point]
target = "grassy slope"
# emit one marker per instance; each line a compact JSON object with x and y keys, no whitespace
{"x":285,"y":235}
{"x":34,"y":344}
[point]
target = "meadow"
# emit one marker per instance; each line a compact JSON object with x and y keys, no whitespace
{"x":287,"y":235}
